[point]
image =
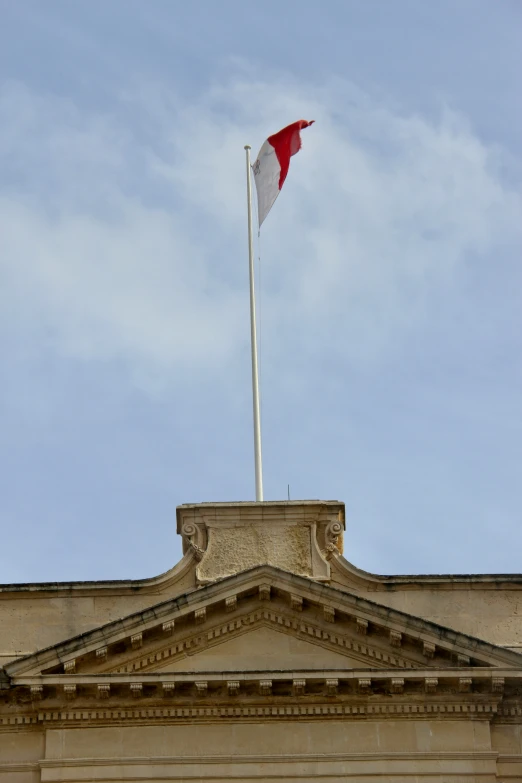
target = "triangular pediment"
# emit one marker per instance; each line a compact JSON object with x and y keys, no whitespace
{"x":261,"y":649}
{"x":264,"y":619}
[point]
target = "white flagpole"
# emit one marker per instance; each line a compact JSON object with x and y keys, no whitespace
{"x":253,"y":340}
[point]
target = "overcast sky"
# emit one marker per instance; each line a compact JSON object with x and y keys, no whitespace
{"x":389,"y":280}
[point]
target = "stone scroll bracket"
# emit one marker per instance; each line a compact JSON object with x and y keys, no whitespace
{"x":194,"y":537}
{"x":297,"y":536}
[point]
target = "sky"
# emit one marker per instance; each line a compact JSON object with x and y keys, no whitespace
{"x":388,"y":277}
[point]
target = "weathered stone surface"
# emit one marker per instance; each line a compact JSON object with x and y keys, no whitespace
{"x":230,"y":551}
{"x":261,"y":648}
{"x":227,"y":538}
{"x":228,"y":667}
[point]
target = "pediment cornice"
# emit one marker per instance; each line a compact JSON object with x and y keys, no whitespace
{"x":370,"y":632}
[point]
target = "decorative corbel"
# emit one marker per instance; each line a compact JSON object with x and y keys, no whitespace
{"x":136,"y":640}
{"x":168,"y":688}
{"x":430,"y":684}
{"x":329,"y":613}
{"x":231,"y":603}
{"x":497,"y":684}
{"x":264,"y":592}
{"x":331,"y":536}
{"x":233,"y":687}
{"x":364,"y":685}
{"x":397,"y":684}
{"x":299,"y":687}
{"x":192,"y":536}
{"x":265,"y":687}
{"x":69,"y":691}
{"x":465,"y":684}
{"x":428,"y":649}
{"x":332,"y":687}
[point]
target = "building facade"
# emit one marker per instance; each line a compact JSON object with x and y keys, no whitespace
{"x":262,"y":655}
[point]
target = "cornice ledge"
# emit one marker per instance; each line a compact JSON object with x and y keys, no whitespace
{"x":20,"y":766}
{"x":116,"y":714}
{"x":149,"y":585}
{"x":386,"y":755}
{"x":347,"y":569}
{"x":193,"y":600}
{"x":484,"y":674}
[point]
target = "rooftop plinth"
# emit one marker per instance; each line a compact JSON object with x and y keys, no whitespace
{"x":298,"y":536}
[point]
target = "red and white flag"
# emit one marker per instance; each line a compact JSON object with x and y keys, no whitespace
{"x":272,"y":164}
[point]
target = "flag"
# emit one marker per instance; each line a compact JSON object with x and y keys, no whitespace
{"x":272,"y":164}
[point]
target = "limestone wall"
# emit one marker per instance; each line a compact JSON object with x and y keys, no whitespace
{"x":33,"y":617}
{"x":490,"y":614}
{"x":320,"y":751}
{"x":20,"y":753}
{"x":488,"y":607}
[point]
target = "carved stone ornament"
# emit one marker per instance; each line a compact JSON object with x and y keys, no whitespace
{"x":136,"y":689}
{"x":136,"y":641}
{"x":231,"y":603}
{"x":329,"y":613}
{"x":168,"y":627}
{"x":465,"y":684}
{"x":430,"y":684}
{"x":227,"y":538}
{"x":364,"y":685}
{"x":69,"y":691}
{"x":265,"y":687}
{"x":194,"y":538}
{"x":397,"y":684}
{"x":497,"y":684}
{"x":233,"y":687}
{"x":332,"y":687}
{"x":264,"y":592}
{"x":299,"y":687}
{"x":332,"y":532}
{"x":428,"y":649}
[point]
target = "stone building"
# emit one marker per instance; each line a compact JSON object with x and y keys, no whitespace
{"x":262,"y":655}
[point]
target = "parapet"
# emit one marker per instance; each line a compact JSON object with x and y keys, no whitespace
{"x":298,"y":536}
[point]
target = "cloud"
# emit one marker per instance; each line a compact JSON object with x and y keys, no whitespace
{"x":125,"y":239}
